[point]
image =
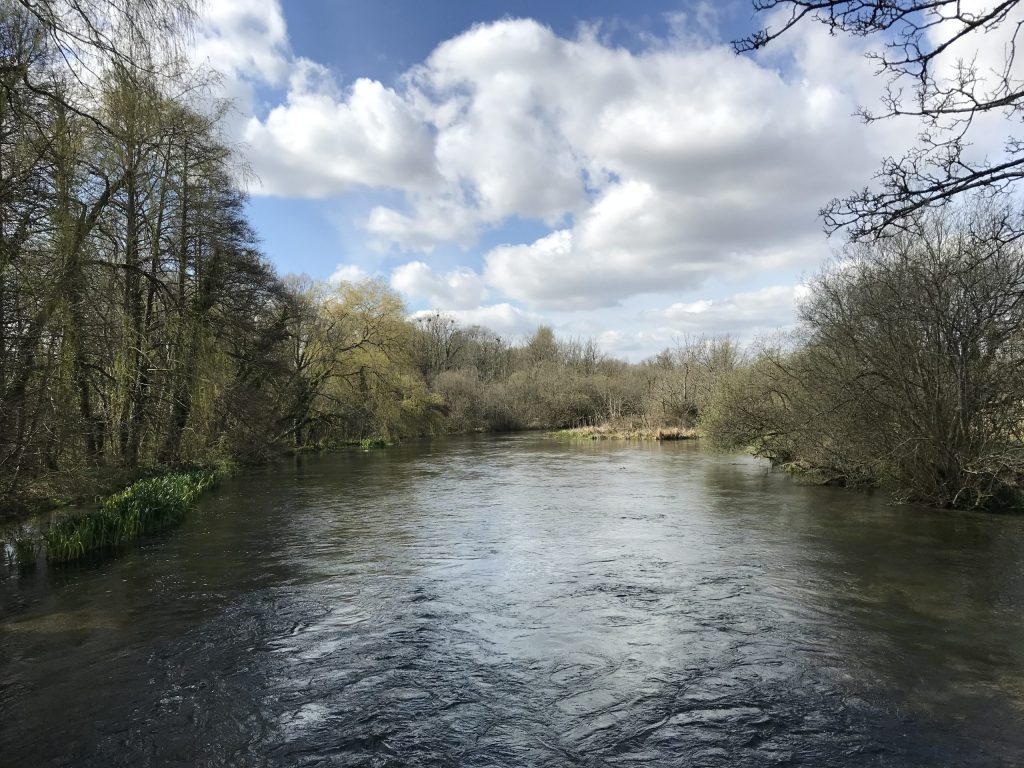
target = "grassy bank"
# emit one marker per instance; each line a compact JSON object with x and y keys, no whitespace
{"x":327,"y":446}
{"x":611,"y":432}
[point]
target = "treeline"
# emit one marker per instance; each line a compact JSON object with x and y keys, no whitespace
{"x":908,"y":370}
{"x":358,"y":367}
{"x":138,"y":321}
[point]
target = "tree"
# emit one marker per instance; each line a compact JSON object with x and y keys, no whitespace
{"x":911,"y":368}
{"x":542,"y":346}
{"x":376,"y":389}
{"x":89,"y":36}
{"x":681,"y":382}
{"x":440,"y":344}
{"x":928,"y":52}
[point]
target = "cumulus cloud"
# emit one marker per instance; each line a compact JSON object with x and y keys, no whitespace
{"x":347,"y":273}
{"x":459,"y":289}
{"x":653,"y":170}
{"x":629,"y":246}
{"x":435,"y":221}
{"x":321,"y":142}
{"x":503,"y":318}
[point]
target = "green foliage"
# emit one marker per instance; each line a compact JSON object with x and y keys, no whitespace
{"x":139,"y":324}
{"x":25,"y":550}
{"x":147,"y":506}
{"x":368,"y":443}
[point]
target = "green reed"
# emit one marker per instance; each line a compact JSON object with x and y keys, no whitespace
{"x":147,"y":506}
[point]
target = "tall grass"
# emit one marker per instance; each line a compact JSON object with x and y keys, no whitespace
{"x":145,"y":507}
{"x":19,"y":549}
{"x":611,"y":432}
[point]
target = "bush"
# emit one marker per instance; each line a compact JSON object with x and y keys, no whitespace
{"x":910,"y":370}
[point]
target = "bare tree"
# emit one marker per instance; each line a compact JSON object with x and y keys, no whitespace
{"x":440,"y":344}
{"x":910,"y":373}
{"x":928,"y":53}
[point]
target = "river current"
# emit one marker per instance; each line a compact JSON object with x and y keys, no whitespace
{"x":520,"y":601}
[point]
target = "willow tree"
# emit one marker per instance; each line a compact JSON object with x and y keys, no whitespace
{"x":377,"y":390}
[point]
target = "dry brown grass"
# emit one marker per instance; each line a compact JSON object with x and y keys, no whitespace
{"x":613,"y":432}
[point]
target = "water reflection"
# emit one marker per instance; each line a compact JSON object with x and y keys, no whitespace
{"x":519,"y":601}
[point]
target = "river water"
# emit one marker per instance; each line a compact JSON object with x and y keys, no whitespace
{"x":518,"y":601}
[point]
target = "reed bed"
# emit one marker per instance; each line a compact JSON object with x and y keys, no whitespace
{"x":147,"y":506}
{"x":609,"y":432}
{"x":24,"y":551}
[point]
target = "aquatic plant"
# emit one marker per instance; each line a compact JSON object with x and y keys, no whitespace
{"x":147,"y":506}
{"x":373,"y":442}
{"x":24,"y":549}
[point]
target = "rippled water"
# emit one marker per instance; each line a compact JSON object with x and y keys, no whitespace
{"x":524,"y":602}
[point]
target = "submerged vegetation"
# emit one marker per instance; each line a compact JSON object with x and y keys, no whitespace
{"x":25,"y":550}
{"x":147,"y":506}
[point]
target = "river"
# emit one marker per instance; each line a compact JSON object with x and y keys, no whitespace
{"x":520,"y":601}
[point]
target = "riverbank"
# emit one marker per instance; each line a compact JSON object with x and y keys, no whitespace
{"x":58,"y":490}
{"x":611,"y":432}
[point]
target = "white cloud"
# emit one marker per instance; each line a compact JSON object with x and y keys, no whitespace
{"x":629,"y":244}
{"x":503,"y":318}
{"x":435,"y":221}
{"x":460,"y":289}
{"x":321,"y":143}
{"x":347,"y":273}
{"x":744,"y":314}
{"x":245,"y":42}
{"x":243,"y":38}
{"x":635,"y":331}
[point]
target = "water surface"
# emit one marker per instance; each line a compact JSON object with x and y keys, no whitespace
{"x":519,"y":601}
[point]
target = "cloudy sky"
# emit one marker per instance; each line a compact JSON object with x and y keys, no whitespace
{"x":615,"y":173}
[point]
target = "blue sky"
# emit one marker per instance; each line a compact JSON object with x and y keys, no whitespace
{"x":384,"y":39}
{"x":609,"y":168}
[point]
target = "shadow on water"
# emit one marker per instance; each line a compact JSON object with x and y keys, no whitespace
{"x":521,"y":601}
